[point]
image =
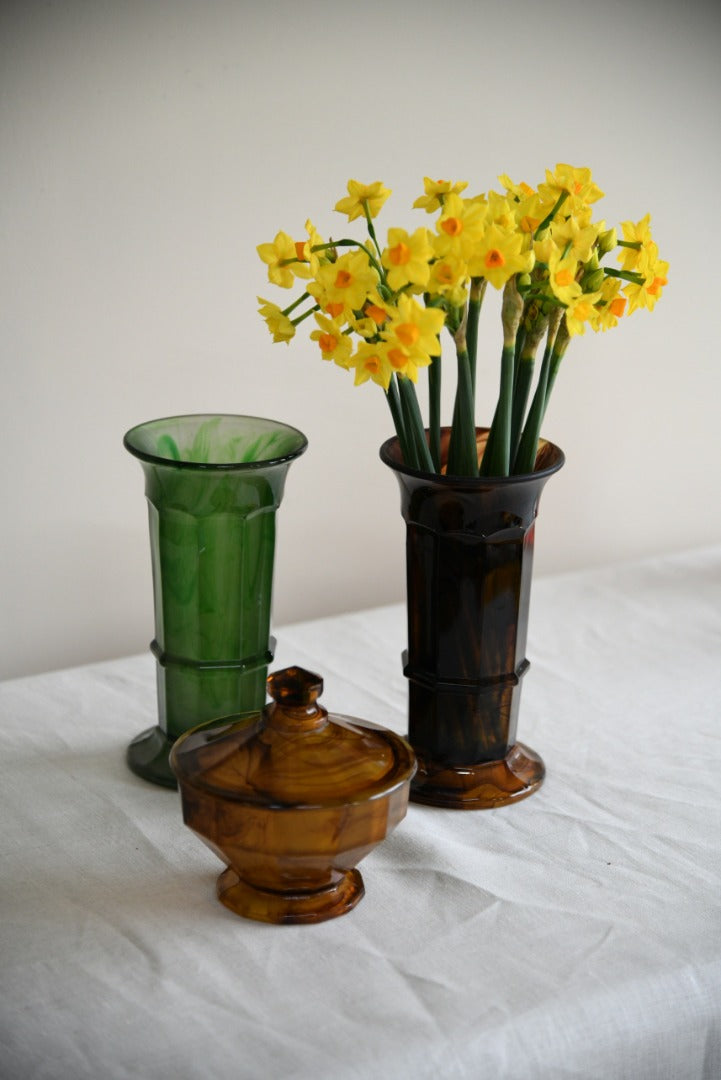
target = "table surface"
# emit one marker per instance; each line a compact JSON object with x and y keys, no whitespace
{"x":576,"y":934}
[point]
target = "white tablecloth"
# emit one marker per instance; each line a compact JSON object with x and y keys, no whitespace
{"x":577,"y":934}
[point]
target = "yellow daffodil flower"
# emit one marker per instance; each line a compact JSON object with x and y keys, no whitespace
{"x":562,"y":272}
{"x":570,"y":233}
{"x":574,"y":182}
{"x":365,"y":327}
{"x":277,"y":322}
{"x":332,"y":342}
{"x":348,"y":280}
{"x":460,"y":226}
{"x":406,"y":361}
{"x":655,"y":273}
{"x":334,"y":308}
{"x":499,"y":255}
{"x":301,"y":268}
{"x":449,"y":279}
{"x":638,"y":233}
{"x":314,"y":240}
{"x":500,"y":211}
{"x":279,"y":256}
{"x":377,"y":309}
{"x":519,"y":191}
{"x":370,"y":361}
{"x":414,"y":328}
{"x":435,"y":193}
{"x":407,"y":257}
{"x":545,"y":248}
{"x":580,"y":311}
{"x":610,"y":306}
{"x":528,"y":214}
{"x":361,"y":195}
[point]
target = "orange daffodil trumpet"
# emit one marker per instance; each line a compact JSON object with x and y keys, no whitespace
{"x":379,"y":310}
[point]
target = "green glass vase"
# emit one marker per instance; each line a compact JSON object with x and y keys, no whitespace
{"x":213,"y":484}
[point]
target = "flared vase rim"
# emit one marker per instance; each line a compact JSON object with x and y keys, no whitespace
{"x":215,"y":466}
{"x":452,"y":480}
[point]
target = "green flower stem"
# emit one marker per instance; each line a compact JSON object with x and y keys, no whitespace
{"x":371,"y":227}
{"x":490,"y":439}
{"x":524,"y":376}
{"x":456,"y":327}
{"x":410,"y":457}
{"x":394,"y":404}
{"x":635,"y":244}
{"x":520,"y":338}
{"x":626,"y":275}
{"x":310,"y":311}
{"x":528,"y":447}
{"x":518,"y":350}
{"x":496,"y":460}
{"x":549,"y":217}
{"x":462,"y":450}
{"x":556,"y":358}
{"x":291,"y":307}
{"x":434,"y":411}
{"x":497,"y":457}
{"x":414,"y":426}
{"x":375,"y":264}
{"x":528,"y":444}
{"x":521,"y":391}
{"x":477,"y":292}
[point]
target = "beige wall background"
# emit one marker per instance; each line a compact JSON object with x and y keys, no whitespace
{"x":148,"y":147}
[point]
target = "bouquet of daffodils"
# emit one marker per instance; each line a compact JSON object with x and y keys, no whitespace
{"x":379,"y":309}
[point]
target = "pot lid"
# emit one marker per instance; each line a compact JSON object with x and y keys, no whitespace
{"x":293,"y":753}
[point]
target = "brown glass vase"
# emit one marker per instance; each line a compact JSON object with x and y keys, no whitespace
{"x":469,"y":557}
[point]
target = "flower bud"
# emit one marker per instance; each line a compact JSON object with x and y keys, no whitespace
{"x":592,"y":282}
{"x":523,"y":282}
{"x":607,"y":241}
{"x":511,"y":312}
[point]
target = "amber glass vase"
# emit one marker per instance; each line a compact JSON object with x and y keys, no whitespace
{"x":213,"y":484}
{"x":469,"y":552}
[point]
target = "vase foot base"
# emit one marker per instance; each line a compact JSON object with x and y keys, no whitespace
{"x":302,"y":907}
{"x":147,"y":757}
{"x":481,"y":786}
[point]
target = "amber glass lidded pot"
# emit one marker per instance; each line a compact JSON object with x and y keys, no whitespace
{"x":469,"y":556}
{"x":291,"y":799}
